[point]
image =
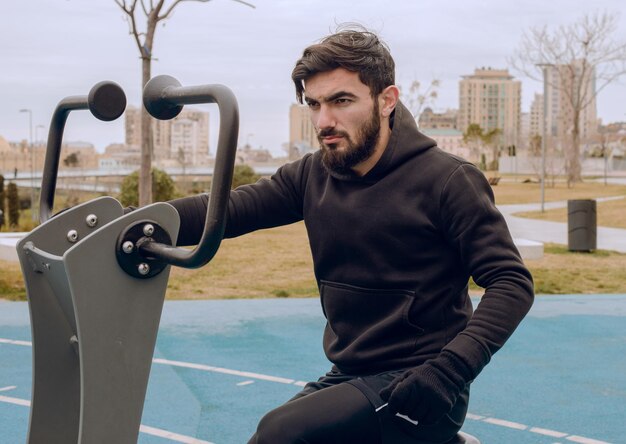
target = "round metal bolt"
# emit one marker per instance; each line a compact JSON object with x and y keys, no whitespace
{"x":92,"y":220}
{"x":72,"y":236}
{"x":148,"y":229}
{"x":128,"y":247}
{"x":143,"y":269}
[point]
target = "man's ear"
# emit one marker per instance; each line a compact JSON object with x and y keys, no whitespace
{"x":388,"y":100}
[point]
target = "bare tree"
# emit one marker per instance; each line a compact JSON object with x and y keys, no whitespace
{"x":153,"y":12}
{"x":585,"y":58}
{"x":416,"y":98}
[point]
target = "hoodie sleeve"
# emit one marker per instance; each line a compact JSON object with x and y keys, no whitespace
{"x":480,"y":234}
{"x":267,"y":203}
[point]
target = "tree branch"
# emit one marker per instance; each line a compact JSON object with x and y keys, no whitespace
{"x":146,"y":10}
{"x":169,"y":10}
{"x":130,"y":12}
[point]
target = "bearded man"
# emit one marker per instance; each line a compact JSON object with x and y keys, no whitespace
{"x":397,"y":227}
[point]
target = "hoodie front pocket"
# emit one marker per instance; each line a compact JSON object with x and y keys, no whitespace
{"x":367,"y":325}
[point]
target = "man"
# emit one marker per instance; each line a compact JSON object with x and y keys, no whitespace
{"x":396,"y":228}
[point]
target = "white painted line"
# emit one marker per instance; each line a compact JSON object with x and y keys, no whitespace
{"x":583,"y":440}
{"x":504,"y":423}
{"x":241,"y":384}
{"x":495,"y":421}
{"x":6,"y":389}
{"x":16,"y":401}
{"x":474,"y":417}
{"x":170,"y":435}
{"x":226,"y":371}
{"x":15,"y":342}
{"x":195,"y":366}
{"x":548,"y":432}
{"x":177,"y":437}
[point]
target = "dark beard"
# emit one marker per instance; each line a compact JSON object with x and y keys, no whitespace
{"x":356,"y":152}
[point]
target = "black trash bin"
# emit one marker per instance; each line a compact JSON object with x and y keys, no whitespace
{"x":581,"y":225}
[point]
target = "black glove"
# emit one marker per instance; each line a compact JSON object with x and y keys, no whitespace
{"x":429,"y":391}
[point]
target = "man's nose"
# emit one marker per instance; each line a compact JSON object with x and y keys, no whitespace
{"x":325,"y":118}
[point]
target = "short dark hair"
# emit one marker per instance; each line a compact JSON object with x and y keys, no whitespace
{"x":357,"y":50}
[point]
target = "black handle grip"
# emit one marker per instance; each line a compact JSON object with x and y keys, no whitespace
{"x":106,"y":101}
{"x":164,"y":98}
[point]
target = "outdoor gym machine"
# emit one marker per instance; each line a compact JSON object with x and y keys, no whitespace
{"x":96,"y":279}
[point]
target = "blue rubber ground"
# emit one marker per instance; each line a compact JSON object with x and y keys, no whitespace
{"x":560,"y":379}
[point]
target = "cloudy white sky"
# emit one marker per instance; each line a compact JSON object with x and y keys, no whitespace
{"x":50,"y":49}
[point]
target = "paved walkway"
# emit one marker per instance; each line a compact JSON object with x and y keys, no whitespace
{"x":556,"y":232}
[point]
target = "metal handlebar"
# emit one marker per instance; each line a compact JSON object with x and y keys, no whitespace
{"x":106,"y":101}
{"x":164,"y":97}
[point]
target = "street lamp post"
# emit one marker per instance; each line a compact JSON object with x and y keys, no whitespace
{"x":544,"y":131}
{"x":32,"y":163}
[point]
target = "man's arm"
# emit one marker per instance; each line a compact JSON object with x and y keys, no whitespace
{"x":477,"y":230}
{"x":480,"y":234}
{"x":265,"y":204}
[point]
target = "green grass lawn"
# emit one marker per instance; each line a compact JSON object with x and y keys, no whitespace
{"x":277,"y":262}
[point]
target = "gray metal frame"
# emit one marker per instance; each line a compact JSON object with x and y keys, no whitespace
{"x":95,"y":297}
{"x":94,"y":327}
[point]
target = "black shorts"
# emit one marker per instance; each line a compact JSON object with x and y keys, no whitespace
{"x":396,"y":429}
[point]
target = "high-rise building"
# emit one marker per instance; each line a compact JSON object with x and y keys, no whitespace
{"x":569,"y":87}
{"x":562,"y":82}
{"x":302,"y":134}
{"x":184,"y":139}
{"x":491,"y":98}
{"x":132,"y":126}
{"x":536,"y":116}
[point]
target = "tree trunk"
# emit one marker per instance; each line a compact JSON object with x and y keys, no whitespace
{"x":574,"y":170}
{"x":145,"y":177}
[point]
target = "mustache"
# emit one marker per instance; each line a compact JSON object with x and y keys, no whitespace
{"x":331,"y":132}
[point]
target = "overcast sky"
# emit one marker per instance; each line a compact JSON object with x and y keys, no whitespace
{"x":50,"y":49}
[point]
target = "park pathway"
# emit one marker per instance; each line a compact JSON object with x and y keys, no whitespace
{"x":556,"y":232}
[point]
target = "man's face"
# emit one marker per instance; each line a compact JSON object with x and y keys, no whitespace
{"x":346,"y":117}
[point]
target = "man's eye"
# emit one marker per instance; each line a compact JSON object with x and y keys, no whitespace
{"x":313,"y":105}
{"x":342,"y":101}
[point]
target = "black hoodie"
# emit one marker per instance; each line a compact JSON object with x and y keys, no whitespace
{"x":393,"y":252}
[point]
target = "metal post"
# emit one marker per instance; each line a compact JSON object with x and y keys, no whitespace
{"x":543,"y":138}
{"x":606,"y":164}
{"x":544,"y":132}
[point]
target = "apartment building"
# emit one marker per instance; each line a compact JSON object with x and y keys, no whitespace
{"x":182,"y":140}
{"x":566,"y":86}
{"x":451,"y":141}
{"x":302,"y":134}
{"x":20,"y":157}
{"x":491,"y":98}
{"x":429,"y":119}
